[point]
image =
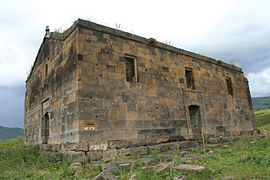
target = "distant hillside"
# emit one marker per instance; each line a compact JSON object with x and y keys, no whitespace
{"x":9,"y":133}
{"x":261,"y":103}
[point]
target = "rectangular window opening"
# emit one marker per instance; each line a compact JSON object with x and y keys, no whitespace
{"x":46,"y":70}
{"x":189,"y":78}
{"x":131,"y":69}
{"x":229,"y":86}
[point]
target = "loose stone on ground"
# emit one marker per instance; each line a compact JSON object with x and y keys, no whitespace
{"x":163,"y":167}
{"x":180,"y":178}
{"x":105,"y":175}
{"x":190,"y":168}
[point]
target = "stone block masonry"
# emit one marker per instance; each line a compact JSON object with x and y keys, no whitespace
{"x":81,"y":153}
{"x":93,"y":88}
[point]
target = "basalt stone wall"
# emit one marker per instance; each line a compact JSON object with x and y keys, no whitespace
{"x":158,"y":103}
{"x":79,"y":153}
{"x":101,"y":85}
{"x":51,"y":92}
{"x":83,"y":152}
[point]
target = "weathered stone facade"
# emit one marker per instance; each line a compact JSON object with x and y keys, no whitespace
{"x":101,"y":86}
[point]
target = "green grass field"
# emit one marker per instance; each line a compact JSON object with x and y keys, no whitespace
{"x":263,"y":121}
{"x":241,"y":159}
{"x":18,"y":161}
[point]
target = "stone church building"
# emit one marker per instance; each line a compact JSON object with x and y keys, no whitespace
{"x":97,"y":84}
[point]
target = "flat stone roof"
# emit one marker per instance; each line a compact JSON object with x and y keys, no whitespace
{"x":150,"y":41}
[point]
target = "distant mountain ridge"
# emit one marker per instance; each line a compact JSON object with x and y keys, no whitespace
{"x":10,"y":133}
{"x":261,"y":103}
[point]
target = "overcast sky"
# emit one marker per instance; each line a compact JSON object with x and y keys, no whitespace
{"x":230,"y":30}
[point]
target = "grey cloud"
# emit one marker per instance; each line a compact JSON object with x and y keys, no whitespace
{"x":260,"y":83}
{"x":246,"y":43}
{"x":11,"y":107}
{"x":242,"y":35}
{"x":251,"y":59}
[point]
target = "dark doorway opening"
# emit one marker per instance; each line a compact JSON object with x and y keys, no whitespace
{"x":195,"y":120}
{"x":45,"y":128}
